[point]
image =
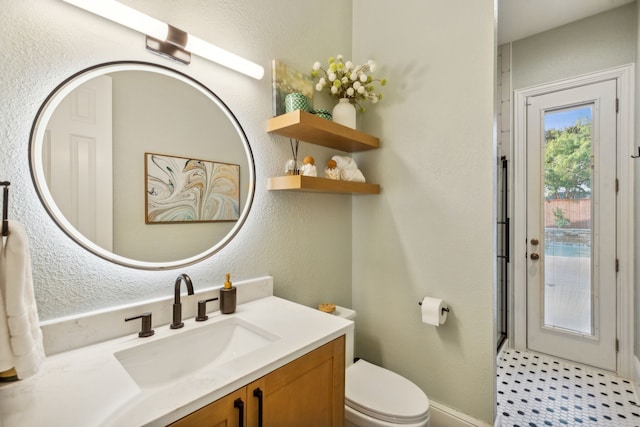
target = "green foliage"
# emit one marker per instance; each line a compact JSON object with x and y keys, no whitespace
{"x":567,"y":159}
{"x":560,"y":219}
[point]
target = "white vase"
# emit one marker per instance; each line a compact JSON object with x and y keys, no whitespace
{"x":345,"y":113}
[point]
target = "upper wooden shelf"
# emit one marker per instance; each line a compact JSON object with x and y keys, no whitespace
{"x":316,"y":130}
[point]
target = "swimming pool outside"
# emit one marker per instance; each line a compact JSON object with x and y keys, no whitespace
{"x":567,"y":249}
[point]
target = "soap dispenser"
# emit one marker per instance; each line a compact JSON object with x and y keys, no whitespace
{"x":228,"y":297}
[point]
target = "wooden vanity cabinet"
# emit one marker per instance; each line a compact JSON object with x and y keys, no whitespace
{"x":308,"y":391}
{"x":221,"y":413}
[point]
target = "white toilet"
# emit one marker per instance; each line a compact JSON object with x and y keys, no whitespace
{"x":377,"y":397}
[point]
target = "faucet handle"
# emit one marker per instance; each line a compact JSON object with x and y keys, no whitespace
{"x":202,"y":309}
{"x":146,"y":324}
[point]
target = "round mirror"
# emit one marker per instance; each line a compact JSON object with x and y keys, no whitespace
{"x":142,"y":165}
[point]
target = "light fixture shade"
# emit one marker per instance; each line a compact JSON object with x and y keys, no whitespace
{"x":156,"y":29}
{"x":213,"y":53}
{"x":124,"y":15}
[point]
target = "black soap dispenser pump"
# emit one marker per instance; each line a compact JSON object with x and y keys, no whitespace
{"x":228,"y":297}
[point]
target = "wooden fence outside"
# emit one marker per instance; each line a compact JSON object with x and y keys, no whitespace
{"x":576,"y":211}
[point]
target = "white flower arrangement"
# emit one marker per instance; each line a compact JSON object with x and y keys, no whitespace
{"x":346,"y":80}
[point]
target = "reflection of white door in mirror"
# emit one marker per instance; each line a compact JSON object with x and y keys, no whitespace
{"x":78,"y":159}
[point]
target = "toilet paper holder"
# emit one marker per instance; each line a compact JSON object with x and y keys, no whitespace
{"x":444,"y":309}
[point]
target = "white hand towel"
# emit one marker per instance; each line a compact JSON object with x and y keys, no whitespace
{"x":348,"y":169}
{"x":351,"y":175}
{"x":345,"y":162}
{"x":19,"y":325}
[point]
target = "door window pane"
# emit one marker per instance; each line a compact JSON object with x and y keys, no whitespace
{"x":568,"y":287}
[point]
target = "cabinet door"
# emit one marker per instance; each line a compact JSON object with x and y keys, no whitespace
{"x":306,"y":392}
{"x":224,"y":412}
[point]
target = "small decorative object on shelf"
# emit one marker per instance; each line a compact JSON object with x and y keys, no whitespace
{"x":296,"y":101}
{"x":293,"y":166}
{"x":332,"y":171}
{"x":345,"y":80}
{"x":345,"y":113}
{"x":325,"y":114}
{"x":309,"y":166}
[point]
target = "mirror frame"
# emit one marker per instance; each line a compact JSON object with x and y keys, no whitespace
{"x":36,"y":139}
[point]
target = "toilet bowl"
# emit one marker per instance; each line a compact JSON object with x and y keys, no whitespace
{"x":378,"y":397}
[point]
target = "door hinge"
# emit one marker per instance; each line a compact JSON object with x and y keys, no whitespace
{"x":617,"y":265}
{"x":617,"y":185}
{"x":617,"y":345}
{"x":617,"y":105}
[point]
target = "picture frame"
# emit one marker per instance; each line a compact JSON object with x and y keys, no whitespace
{"x":186,"y":190}
{"x":288,"y":80}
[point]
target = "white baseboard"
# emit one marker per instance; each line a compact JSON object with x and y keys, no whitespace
{"x":498,"y":422}
{"x":443,"y":416}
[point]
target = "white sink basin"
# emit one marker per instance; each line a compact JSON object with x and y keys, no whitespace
{"x":168,"y":359}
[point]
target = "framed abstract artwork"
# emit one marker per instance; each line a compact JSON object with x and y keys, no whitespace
{"x":183,"y":190}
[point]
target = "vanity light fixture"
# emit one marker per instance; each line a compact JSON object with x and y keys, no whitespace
{"x":167,"y":40}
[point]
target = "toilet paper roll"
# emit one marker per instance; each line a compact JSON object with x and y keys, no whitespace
{"x":434,"y":311}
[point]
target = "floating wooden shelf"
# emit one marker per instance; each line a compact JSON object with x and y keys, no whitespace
{"x":320,"y":185}
{"x":316,"y":130}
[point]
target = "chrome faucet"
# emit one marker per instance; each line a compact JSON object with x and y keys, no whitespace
{"x":177,"y":305}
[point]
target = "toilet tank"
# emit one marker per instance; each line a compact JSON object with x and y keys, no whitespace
{"x":347,"y":313}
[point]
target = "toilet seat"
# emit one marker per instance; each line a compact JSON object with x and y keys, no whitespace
{"x":384,"y":395}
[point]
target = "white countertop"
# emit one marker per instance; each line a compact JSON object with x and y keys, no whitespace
{"x":88,"y":386}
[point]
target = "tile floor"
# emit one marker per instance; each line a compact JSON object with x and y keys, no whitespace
{"x":535,"y":390}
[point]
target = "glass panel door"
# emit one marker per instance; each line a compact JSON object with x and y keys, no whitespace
{"x":568,"y":290}
{"x":571,"y":224}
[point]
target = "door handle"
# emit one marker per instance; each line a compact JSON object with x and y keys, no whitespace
{"x":534,"y":242}
{"x":535,"y":256}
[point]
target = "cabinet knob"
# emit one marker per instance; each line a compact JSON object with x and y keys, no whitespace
{"x":535,"y":256}
{"x":535,"y":242}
